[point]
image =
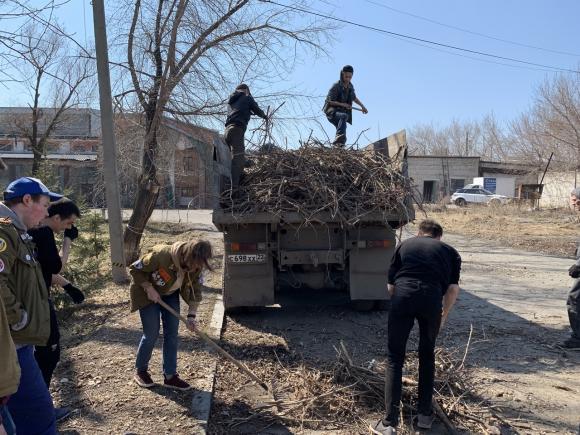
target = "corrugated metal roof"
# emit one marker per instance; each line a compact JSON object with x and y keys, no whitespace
{"x":77,"y":157}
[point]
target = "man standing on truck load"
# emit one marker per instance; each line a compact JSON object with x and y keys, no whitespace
{"x":338,"y":104}
{"x":241,"y":105}
{"x":423,"y":285}
{"x":573,"y":302}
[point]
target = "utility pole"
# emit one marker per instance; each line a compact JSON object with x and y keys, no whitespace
{"x":118,"y":270}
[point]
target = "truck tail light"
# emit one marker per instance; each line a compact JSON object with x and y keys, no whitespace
{"x":247,"y":247}
{"x":378,"y":243}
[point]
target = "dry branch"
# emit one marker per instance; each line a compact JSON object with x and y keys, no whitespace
{"x":319,"y":179}
{"x":339,"y":395}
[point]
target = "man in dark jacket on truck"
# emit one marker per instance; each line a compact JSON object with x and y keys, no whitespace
{"x":241,"y":105}
{"x":423,"y":285}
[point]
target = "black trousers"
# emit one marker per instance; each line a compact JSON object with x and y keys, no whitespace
{"x":412,"y":300}
{"x":573,"y":306}
{"x":234,"y":137}
{"x":48,"y":356}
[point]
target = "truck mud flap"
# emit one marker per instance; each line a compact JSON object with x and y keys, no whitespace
{"x":248,"y":285}
{"x":369,"y":263}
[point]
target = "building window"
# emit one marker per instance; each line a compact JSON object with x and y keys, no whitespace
{"x":15,"y":171}
{"x":188,"y":164}
{"x":187,"y":192}
{"x":63,"y":176}
{"x":456,"y":184}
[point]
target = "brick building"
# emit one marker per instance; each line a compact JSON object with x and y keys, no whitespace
{"x":72,"y":149}
{"x":193,"y":161}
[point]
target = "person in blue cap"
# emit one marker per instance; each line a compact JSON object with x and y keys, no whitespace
{"x":338,"y":104}
{"x":25,"y":299}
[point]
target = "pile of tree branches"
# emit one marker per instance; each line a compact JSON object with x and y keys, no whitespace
{"x":318,"y":179}
{"x":350,"y":395}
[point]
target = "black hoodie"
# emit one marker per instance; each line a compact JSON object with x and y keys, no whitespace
{"x":240,"y":108}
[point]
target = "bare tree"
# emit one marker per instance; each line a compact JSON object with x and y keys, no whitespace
{"x":53,"y":75}
{"x":456,"y":139}
{"x":552,"y":124}
{"x":15,"y":15}
{"x":183,"y":57}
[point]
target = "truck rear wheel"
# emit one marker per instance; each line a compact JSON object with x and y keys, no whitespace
{"x":382,"y":305}
{"x":362,"y":305}
{"x":243,"y":310}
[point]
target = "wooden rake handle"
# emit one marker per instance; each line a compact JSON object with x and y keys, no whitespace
{"x":217,"y":348}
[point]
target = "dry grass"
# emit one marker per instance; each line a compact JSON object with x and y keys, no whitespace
{"x":552,"y":232}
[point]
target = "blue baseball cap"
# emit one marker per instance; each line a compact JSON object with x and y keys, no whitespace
{"x":31,"y":186}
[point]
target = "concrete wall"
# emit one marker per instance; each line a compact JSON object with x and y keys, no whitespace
{"x":428,"y":168}
{"x":557,"y":187}
{"x":523,"y":173}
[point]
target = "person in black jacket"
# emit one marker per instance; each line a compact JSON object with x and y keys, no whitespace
{"x":423,"y":284}
{"x":573,"y":303}
{"x":61,"y":217}
{"x":241,"y":105}
{"x":338,"y":104}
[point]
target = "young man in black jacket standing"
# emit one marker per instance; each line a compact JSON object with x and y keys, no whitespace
{"x":241,"y":105}
{"x":338,"y":104}
{"x":61,"y":217}
{"x":423,"y":285}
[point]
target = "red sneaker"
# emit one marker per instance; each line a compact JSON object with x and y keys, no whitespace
{"x":143,"y":379}
{"x":176,"y":382}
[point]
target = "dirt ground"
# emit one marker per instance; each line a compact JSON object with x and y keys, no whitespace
{"x":99,"y":341}
{"x":513,"y":302}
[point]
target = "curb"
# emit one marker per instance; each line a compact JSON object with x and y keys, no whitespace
{"x":202,"y":400}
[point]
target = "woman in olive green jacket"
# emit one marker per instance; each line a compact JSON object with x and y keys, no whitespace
{"x":166,"y":272}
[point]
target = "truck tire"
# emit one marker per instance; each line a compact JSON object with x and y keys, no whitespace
{"x":382,"y":305}
{"x":362,"y":305}
{"x":243,"y":310}
{"x":460,"y":202}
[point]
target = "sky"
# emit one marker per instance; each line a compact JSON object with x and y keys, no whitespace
{"x":405,"y":83}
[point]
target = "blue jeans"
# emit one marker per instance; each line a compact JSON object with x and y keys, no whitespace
{"x":7,"y":421}
{"x":150,"y":319}
{"x":31,"y":407}
{"x":339,"y":121}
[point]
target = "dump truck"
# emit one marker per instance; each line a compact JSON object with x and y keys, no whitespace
{"x":265,"y":253}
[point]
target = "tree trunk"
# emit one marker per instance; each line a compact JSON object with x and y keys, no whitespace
{"x":148,"y":190}
{"x":36,"y":161}
{"x":144,"y":204}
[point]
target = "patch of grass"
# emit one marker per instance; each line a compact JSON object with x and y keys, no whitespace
{"x":551,"y":231}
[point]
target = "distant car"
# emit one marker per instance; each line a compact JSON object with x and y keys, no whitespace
{"x":472,"y":186}
{"x":477,"y":196}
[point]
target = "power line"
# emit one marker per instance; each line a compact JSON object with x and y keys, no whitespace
{"x":461,"y":29}
{"x":425,"y":41}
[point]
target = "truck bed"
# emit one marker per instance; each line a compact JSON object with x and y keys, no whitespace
{"x":401,"y":215}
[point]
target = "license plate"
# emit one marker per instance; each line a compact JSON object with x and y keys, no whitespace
{"x":247,"y":258}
